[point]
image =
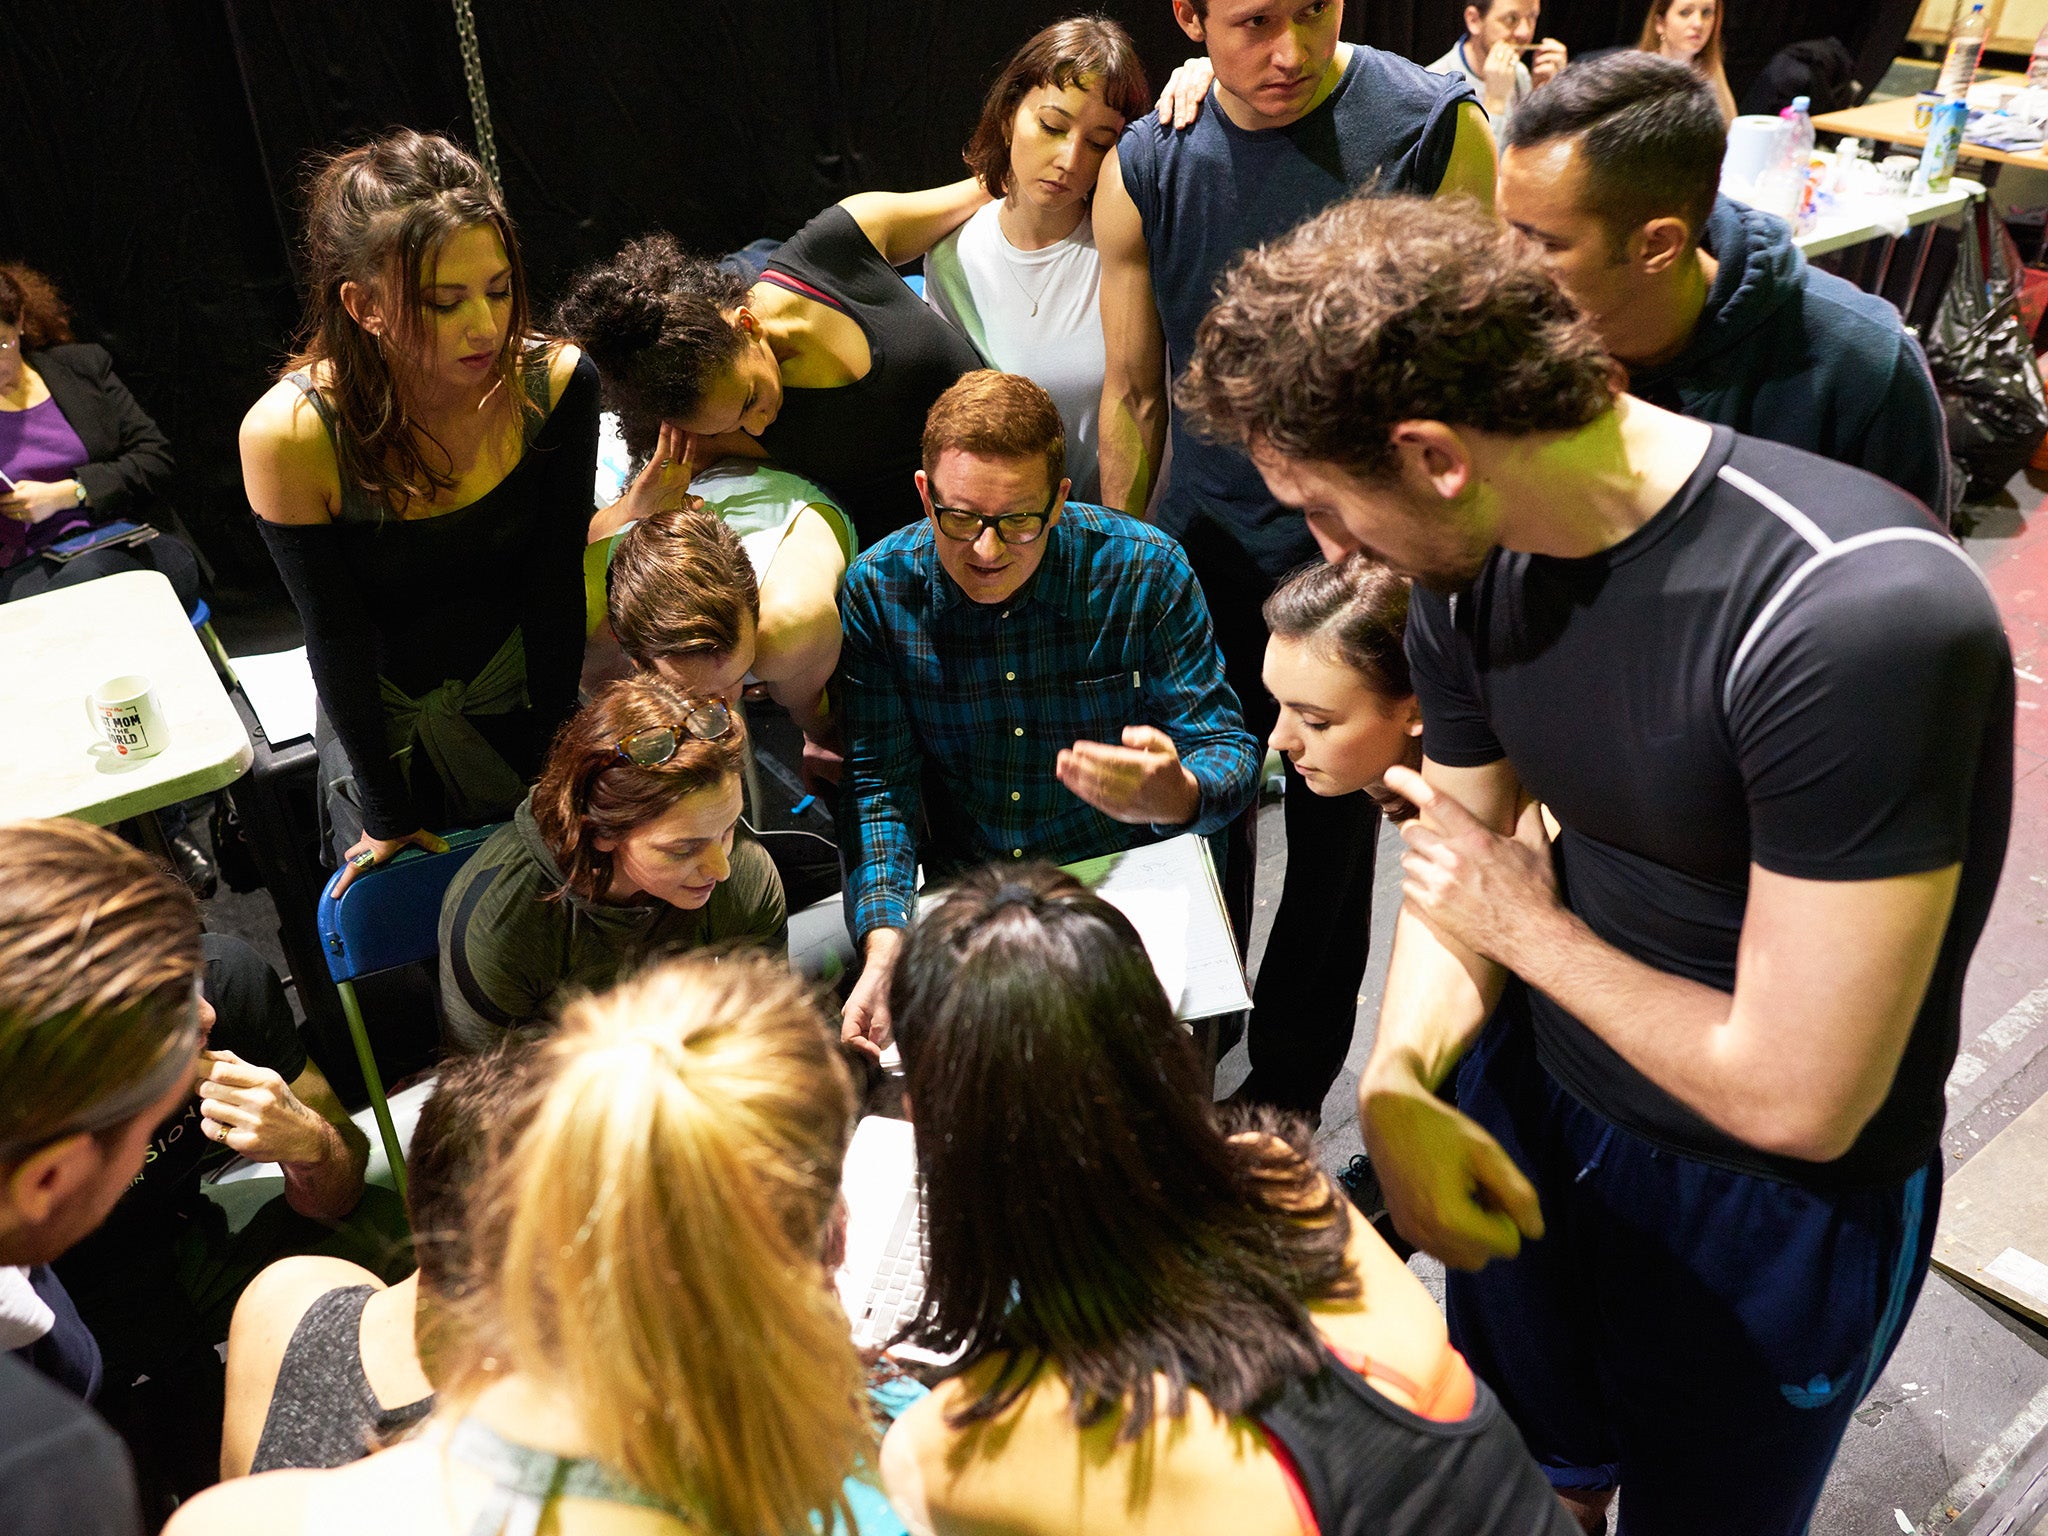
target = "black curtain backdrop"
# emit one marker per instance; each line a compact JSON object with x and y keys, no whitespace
{"x":158,"y":146}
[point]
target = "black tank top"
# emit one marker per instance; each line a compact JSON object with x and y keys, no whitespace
{"x":323,"y":1412}
{"x":1369,"y":1467}
{"x":862,"y":441}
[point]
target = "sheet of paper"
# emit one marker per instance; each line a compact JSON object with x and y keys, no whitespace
{"x":1170,"y":893}
{"x":279,"y":687}
{"x":1161,"y":918}
{"x":1178,"y":869}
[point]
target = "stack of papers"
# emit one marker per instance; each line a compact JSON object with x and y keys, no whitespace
{"x":279,"y":687}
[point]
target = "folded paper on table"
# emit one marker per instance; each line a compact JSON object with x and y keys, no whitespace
{"x":279,"y":687}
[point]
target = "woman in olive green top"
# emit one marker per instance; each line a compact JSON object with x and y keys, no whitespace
{"x":629,"y":847}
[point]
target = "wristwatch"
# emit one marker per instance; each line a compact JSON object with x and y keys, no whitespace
{"x":78,"y":489}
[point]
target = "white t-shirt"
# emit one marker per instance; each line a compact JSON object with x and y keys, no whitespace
{"x":1455,"y":63}
{"x":989,"y":289}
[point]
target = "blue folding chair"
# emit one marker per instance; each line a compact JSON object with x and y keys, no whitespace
{"x":388,"y":917}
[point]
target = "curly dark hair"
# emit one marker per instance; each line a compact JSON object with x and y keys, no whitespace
{"x":29,"y":301}
{"x":1080,"y":51}
{"x":1388,"y":309}
{"x":653,"y":320}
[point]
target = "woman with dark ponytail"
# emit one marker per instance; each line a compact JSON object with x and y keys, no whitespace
{"x":1167,"y":1318}
{"x":422,"y":474}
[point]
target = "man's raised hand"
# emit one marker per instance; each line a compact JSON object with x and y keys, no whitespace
{"x":1141,"y":782}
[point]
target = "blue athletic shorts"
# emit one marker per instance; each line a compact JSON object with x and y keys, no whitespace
{"x":1696,"y":1336}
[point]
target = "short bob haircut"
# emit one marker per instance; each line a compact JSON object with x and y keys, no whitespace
{"x":1384,"y":310}
{"x":1081,"y":51}
{"x":680,"y":584}
{"x":1000,"y":415}
{"x":589,"y":790}
{"x":1650,"y":137}
{"x":1084,"y":1206}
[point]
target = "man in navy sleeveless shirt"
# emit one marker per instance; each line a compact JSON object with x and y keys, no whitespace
{"x":1296,"y":122}
{"x":1695,"y":1160}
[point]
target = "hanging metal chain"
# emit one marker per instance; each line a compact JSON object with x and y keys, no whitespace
{"x":473,"y":75}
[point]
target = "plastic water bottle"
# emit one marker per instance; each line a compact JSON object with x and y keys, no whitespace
{"x":1798,"y":162}
{"x":1965,"y":48}
{"x":2037,"y":66}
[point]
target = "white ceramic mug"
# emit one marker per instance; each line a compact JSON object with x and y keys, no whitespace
{"x":127,"y":715}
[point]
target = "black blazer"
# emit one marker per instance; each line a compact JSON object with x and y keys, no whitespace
{"x":128,"y":459}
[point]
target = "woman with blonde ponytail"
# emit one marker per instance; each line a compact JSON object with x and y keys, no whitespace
{"x":657,"y":1348}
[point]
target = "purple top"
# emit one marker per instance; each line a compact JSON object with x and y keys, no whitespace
{"x":38,"y":444}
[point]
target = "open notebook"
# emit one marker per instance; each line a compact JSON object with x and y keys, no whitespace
{"x":1171,"y":894}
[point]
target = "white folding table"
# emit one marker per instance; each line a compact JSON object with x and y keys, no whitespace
{"x":54,"y":650}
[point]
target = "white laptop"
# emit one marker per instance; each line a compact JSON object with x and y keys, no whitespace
{"x":881,"y":1283}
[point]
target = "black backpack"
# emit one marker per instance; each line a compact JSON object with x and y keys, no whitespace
{"x":1819,"y":69}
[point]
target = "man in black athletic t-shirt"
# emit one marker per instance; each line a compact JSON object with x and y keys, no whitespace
{"x":1705,"y":1032}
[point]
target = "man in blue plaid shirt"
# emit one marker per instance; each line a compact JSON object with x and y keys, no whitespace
{"x":1023,"y":677}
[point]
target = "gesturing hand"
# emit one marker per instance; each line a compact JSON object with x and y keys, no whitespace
{"x":252,"y":1110}
{"x":1550,"y":58}
{"x":864,"y":1021}
{"x":1452,"y":1190}
{"x":1141,"y":782}
{"x":1466,"y":880}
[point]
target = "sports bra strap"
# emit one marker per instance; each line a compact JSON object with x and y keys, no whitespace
{"x":355,"y":506}
{"x":534,"y":375}
{"x":1447,"y":1399}
{"x":796,"y":284}
{"x":527,"y":1481}
{"x":534,"y":378}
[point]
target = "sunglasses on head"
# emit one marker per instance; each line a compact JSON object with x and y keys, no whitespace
{"x":706,"y":719}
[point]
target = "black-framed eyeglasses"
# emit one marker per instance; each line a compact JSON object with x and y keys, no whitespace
{"x":706,"y":719}
{"x":1011,"y":527}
